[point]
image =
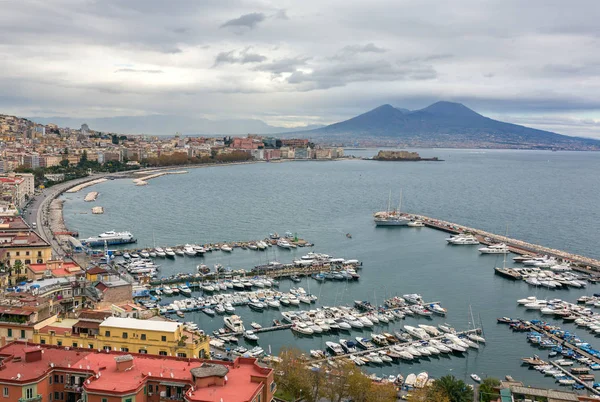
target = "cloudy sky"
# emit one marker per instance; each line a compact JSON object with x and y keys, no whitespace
{"x":292,"y":63}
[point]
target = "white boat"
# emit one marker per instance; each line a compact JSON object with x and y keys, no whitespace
{"x":500,"y":248}
{"x":229,"y":309}
{"x":167,"y":290}
{"x":416,"y":224}
{"x":226,"y":248}
{"x":374,"y":357}
{"x":234,"y":323}
{"x":256,"y":325}
{"x":336,"y":348}
{"x":421,"y":380}
{"x":219,"y":309}
{"x":463,"y":240}
{"x":418,"y":333}
{"x":410,"y":380}
{"x":185,"y":290}
{"x":476,"y":378}
{"x":179,"y":252}
{"x":251,"y":336}
{"x":160,"y":252}
{"x":302,"y":328}
{"x":169,"y":252}
{"x":189,"y":251}
{"x":476,"y":338}
{"x":284,"y":244}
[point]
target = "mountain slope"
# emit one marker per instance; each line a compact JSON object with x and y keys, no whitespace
{"x":441,"y":124}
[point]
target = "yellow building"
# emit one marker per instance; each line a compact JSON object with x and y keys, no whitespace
{"x":157,"y":337}
{"x":19,"y":249}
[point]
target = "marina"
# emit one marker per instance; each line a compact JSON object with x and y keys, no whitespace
{"x":407,"y":258}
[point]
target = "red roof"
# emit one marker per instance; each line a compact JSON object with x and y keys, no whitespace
{"x":239,"y":385}
{"x":57,"y":271}
{"x":96,"y":270}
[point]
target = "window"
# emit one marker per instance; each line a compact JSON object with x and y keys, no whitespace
{"x":22,"y":334}
{"x":181,"y":355}
{"x":145,"y":390}
{"x":162,"y":353}
{"x":42,"y":341}
{"x":273,"y":385}
{"x":107,"y":348}
{"x":90,"y":346}
{"x":50,"y":396}
{"x":18,"y":253}
{"x":10,"y":332}
{"x":142,"y":351}
{"x":150,"y":388}
{"x":56,"y":381}
{"x":26,"y":252}
{"x":56,"y":396}
{"x":74,"y":344}
{"x":143,"y":337}
{"x":163,"y":338}
{"x":124,"y":335}
{"x":39,"y":253}
{"x":104,"y":400}
{"x":27,"y":261}
{"x":107,"y":333}
{"x":62,"y":396}
{"x":128,"y":400}
{"x":124,"y":349}
{"x":5,"y":392}
{"x":59,"y":343}
{"x":29,"y":392}
{"x":50,"y":379}
{"x":8,"y":254}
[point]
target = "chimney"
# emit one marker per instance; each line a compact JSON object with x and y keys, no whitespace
{"x":124,"y":362}
{"x":33,"y":355}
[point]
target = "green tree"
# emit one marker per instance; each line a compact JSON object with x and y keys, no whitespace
{"x":292,"y":376}
{"x":428,"y":394}
{"x":380,"y":392}
{"x":359,"y":386}
{"x":64,"y":163}
{"x":455,"y":389}
{"x":17,"y":268}
{"x":84,"y":158}
{"x":115,"y":139}
{"x":487,"y":389}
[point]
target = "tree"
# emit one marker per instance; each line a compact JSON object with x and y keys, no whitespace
{"x":338,"y":388}
{"x":456,"y":390}
{"x":359,"y":386}
{"x":292,"y":376}
{"x":64,"y":163}
{"x":115,"y":139}
{"x":380,"y":392}
{"x":428,"y":394}
{"x":487,"y":389}
{"x":84,"y":158}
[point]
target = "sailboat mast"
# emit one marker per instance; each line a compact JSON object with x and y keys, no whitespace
{"x":400,"y":202}
{"x":389,"y":202}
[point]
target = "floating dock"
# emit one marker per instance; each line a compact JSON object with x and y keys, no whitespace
{"x":579,"y":263}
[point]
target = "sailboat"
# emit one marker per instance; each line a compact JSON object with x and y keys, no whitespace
{"x":391,"y":217}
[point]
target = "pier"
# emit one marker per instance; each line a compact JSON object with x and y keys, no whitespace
{"x":580,"y":263}
{"x":577,"y":379}
{"x":144,"y":180}
{"x":84,"y":185}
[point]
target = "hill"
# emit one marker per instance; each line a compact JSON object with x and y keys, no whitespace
{"x":443,"y":124}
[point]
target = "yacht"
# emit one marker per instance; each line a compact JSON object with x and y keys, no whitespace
{"x":234,"y":323}
{"x":364,"y":343}
{"x":251,"y":336}
{"x":476,"y":378}
{"x":229,"y":309}
{"x":179,"y":252}
{"x":167,"y":291}
{"x":463,"y":240}
{"x":284,"y":244}
{"x":416,"y":224}
{"x":189,"y":251}
{"x":226,"y":248}
{"x":169,"y":252}
{"x":160,"y":252}
{"x":256,"y":325}
{"x":336,"y":348}
{"x":302,"y":328}
{"x":418,"y":333}
{"x":349,"y":346}
{"x":256,"y":305}
{"x":374,"y":357}
{"x":185,"y":290}
{"x":500,"y":248}
{"x":413,"y":298}
{"x":219,"y":309}
{"x":421,"y":380}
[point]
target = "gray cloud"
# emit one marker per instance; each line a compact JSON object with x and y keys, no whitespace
{"x":285,"y":65}
{"x":239,"y":57}
{"x":368,"y":48}
{"x":247,"y":20}
{"x":134,"y":70}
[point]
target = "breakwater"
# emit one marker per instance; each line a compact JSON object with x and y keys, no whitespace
{"x":579,"y":262}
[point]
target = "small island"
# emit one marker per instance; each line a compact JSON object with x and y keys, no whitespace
{"x":402,"y":156}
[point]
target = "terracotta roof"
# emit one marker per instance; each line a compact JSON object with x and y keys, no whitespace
{"x":87,"y":325}
{"x":96,"y":270}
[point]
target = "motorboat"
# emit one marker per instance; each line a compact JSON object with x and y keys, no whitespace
{"x":234,"y":323}
{"x":374,"y":357}
{"x":229,"y":309}
{"x":476,"y":378}
{"x":364,"y":343}
{"x":256,"y":305}
{"x":416,"y":224}
{"x":185,"y":290}
{"x":250,"y":336}
{"x":160,"y":252}
{"x":476,"y":338}
{"x":349,"y":346}
{"x":383,"y":355}
{"x":189,"y":251}
{"x":169,"y":252}
{"x":410,"y":380}
{"x":431,"y":330}
{"x":284,"y":244}
{"x":421,"y":380}
{"x":226,"y":248}
{"x":317,"y":354}
{"x":209,"y":311}
{"x":179,"y":252}
{"x":219,"y":309}
{"x":302,"y":328}
{"x":413,"y":298}
{"x":256,"y":325}
{"x":336,"y":348}
{"x":167,"y":291}
{"x":418,"y":333}
{"x":273,"y":303}
{"x":462,"y":240}
{"x":500,"y":248}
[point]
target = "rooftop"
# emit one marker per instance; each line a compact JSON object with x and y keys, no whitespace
{"x":10,"y":239}
{"x":134,"y":323}
{"x":13,"y":223}
{"x":209,"y":370}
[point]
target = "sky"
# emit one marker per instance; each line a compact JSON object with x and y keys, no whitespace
{"x":294,"y":63}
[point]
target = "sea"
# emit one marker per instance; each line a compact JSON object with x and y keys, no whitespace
{"x":543,"y":197}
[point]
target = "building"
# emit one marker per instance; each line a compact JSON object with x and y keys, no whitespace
{"x":17,"y":188}
{"x":22,"y":314}
{"x":520,"y":393}
{"x":156,"y":337}
{"x":31,"y":161}
{"x":18,"y":249}
{"x":49,"y":373}
{"x":53,"y":269}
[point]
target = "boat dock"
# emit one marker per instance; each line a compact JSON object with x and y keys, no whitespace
{"x":577,"y":379}
{"x":579,"y":263}
{"x":402,"y":345}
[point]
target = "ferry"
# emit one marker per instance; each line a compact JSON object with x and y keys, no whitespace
{"x":110,"y":238}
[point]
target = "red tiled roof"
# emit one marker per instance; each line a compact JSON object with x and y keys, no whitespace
{"x":65,"y":265}
{"x":14,"y":311}
{"x":96,"y":270}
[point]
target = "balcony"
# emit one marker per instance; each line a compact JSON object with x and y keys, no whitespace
{"x":32,"y":399}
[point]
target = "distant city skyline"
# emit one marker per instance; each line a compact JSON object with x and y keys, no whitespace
{"x":292,"y":63}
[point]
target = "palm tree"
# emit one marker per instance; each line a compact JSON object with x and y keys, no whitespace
{"x":455,"y":389}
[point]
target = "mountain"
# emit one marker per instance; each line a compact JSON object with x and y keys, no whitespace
{"x":443,"y":124}
{"x":169,"y":125}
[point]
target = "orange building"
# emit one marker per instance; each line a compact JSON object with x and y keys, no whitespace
{"x":52,"y":373}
